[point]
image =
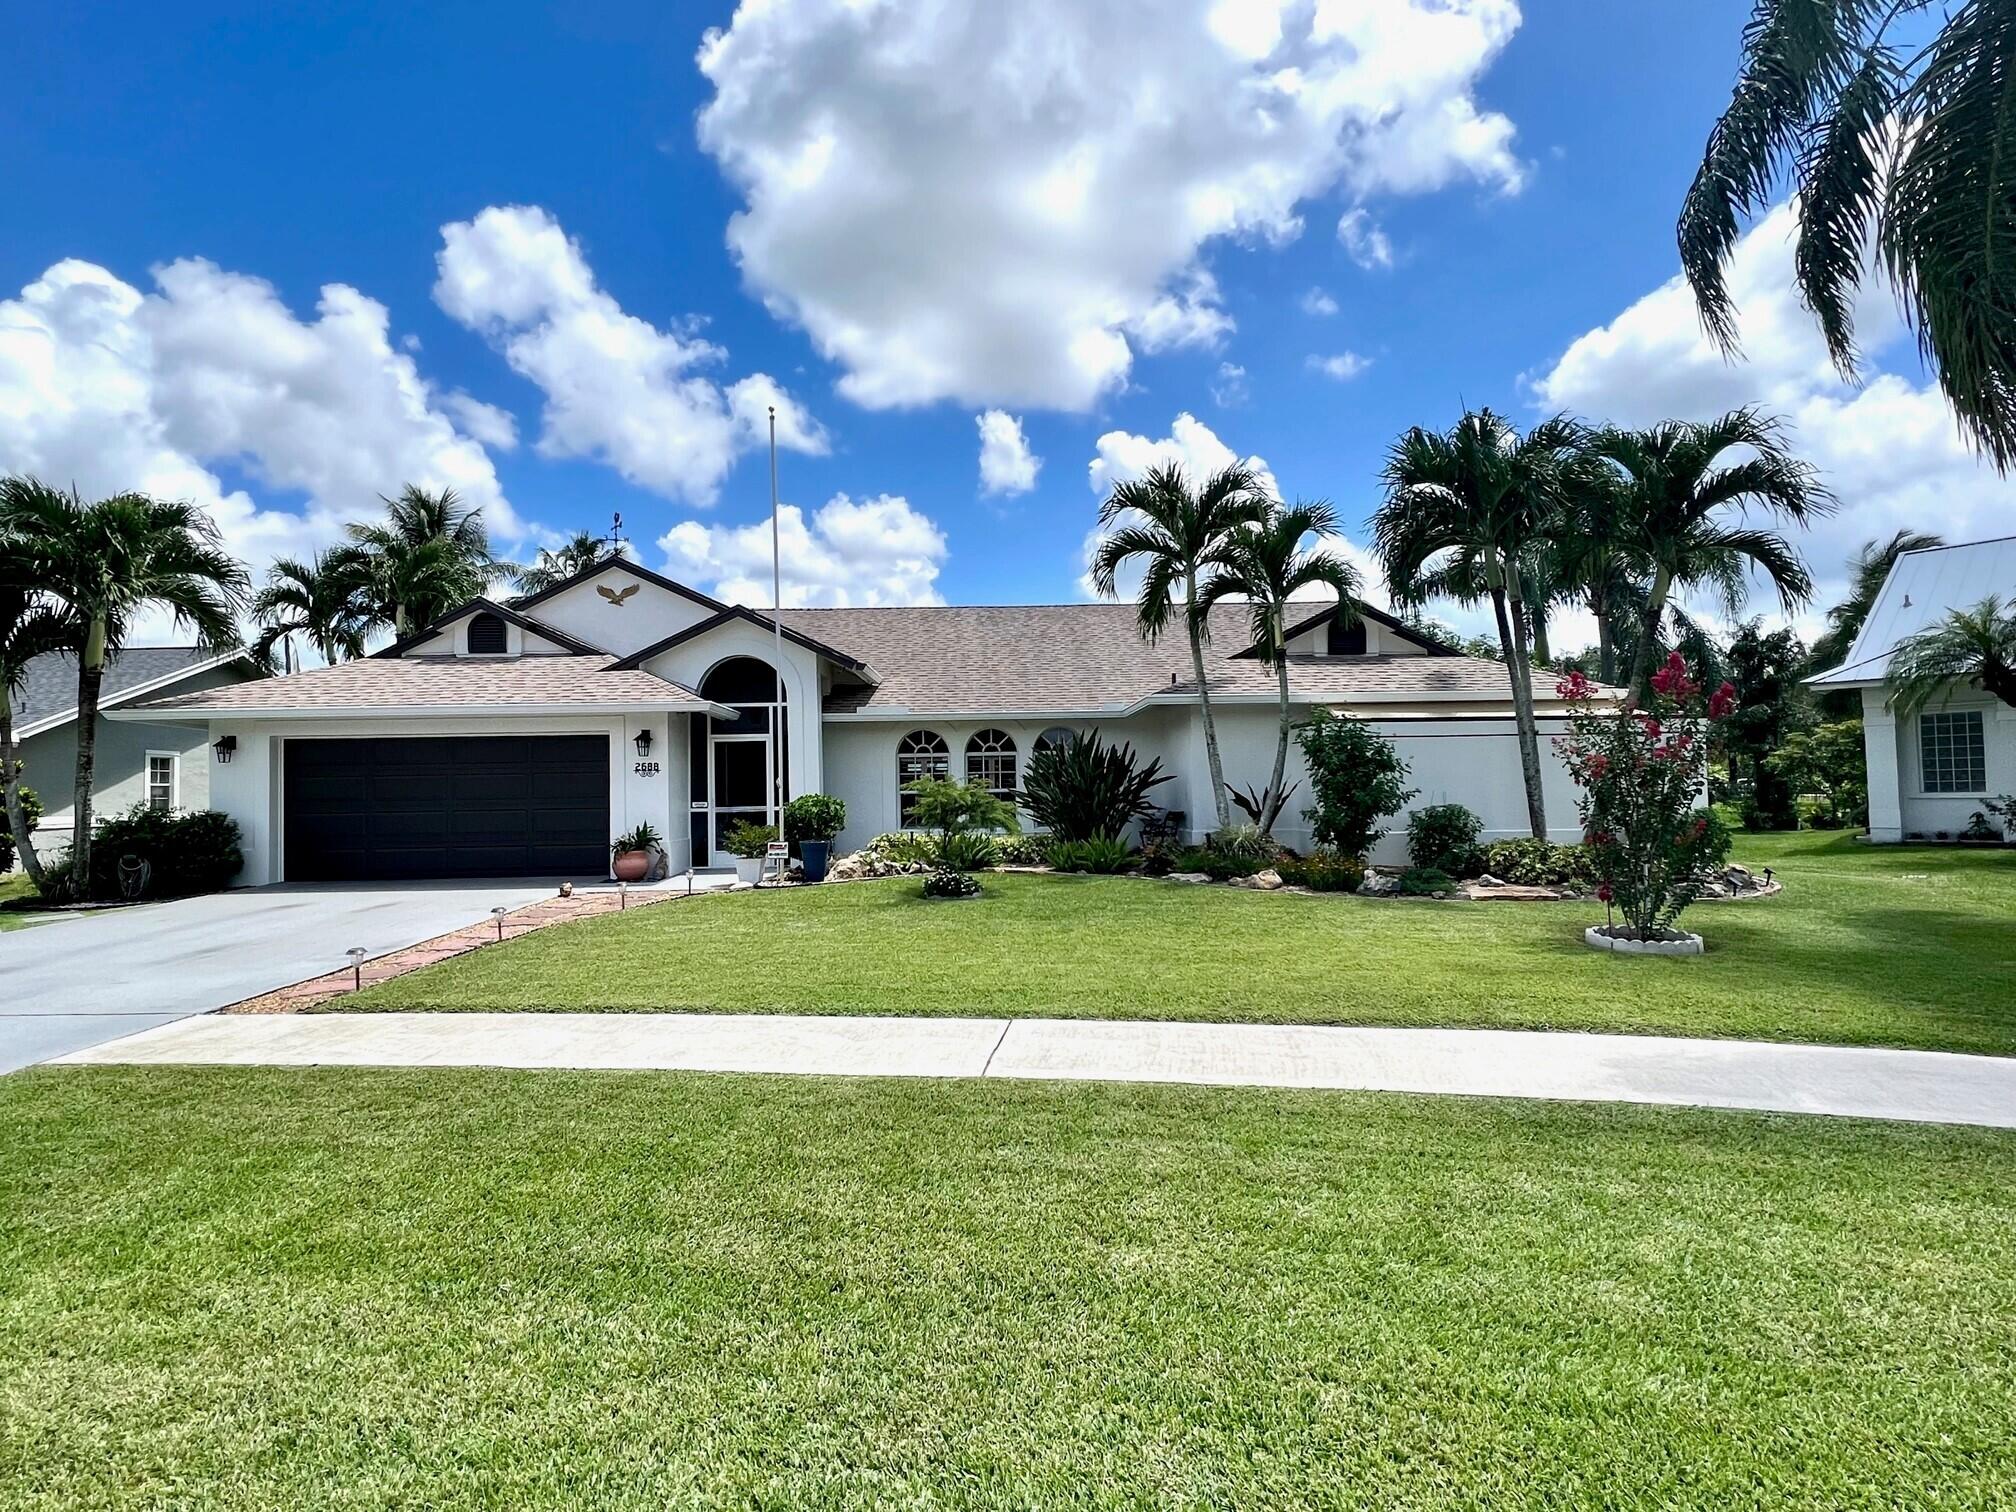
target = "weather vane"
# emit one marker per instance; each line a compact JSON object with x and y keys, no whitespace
{"x":616,"y":531}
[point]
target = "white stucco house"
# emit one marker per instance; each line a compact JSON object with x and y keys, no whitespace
{"x":1929,"y":773}
{"x":517,"y":739}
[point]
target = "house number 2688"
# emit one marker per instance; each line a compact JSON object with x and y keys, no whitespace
{"x":647,"y":769}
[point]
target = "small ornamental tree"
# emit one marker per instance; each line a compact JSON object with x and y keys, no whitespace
{"x":1357,"y":778}
{"x":1642,"y":773}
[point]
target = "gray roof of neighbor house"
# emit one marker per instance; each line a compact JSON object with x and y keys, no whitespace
{"x":1046,"y":659}
{"x":48,"y":696}
{"x":1921,"y":590}
{"x":427,"y":684}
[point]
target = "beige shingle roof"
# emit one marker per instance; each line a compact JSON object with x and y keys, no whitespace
{"x":1071,"y":658}
{"x":419,"y":683}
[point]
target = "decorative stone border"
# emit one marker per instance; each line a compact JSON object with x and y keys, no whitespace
{"x":1596,"y":937}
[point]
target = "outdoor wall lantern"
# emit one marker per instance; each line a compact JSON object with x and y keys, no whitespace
{"x":225,"y":745}
{"x":643,"y":744}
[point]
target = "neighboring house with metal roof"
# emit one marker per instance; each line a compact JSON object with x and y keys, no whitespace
{"x":153,"y":763}
{"x":516,"y":739}
{"x":1929,"y":773}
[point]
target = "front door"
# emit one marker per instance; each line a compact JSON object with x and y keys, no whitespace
{"x":741,"y":789}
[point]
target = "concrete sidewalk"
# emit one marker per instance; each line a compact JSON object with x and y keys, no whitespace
{"x":1918,"y":1085}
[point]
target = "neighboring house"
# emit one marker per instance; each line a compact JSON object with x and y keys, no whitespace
{"x":517,"y":739}
{"x":1930,"y":772}
{"x":162,"y":764}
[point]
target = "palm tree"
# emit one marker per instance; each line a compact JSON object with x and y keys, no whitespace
{"x":1678,"y":491}
{"x":1263,"y":563}
{"x":1912,"y":151}
{"x":30,"y":625}
{"x":575,"y":555}
{"x":324,"y":599}
{"x":1867,"y":570}
{"x":103,"y":563}
{"x":1462,"y":511}
{"x":426,"y":556}
{"x":1173,"y":530}
{"x":1975,"y":646}
{"x":1586,"y":544}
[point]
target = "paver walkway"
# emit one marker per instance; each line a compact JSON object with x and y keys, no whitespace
{"x":1919,"y":1085}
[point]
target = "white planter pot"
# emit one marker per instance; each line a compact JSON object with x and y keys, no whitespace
{"x":749,"y":869}
{"x":1687,"y":945}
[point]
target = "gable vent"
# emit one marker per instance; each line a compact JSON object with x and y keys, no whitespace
{"x":486,"y":635}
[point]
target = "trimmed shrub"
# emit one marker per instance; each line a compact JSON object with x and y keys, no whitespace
{"x":947,"y":883}
{"x":1220,"y":867}
{"x":1324,"y":871}
{"x":189,"y":853}
{"x":964,"y":850}
{"x":1425,"y":882}
{"x":814,"y":816}
{"x":1444,"y":836}
{"x":1099,"y":854}
{"x":1083,"y":787}
{"x":1357,"y":778}
{"x":1021,"y":850}
{"x":1243,"y":842}
{"x":1539,"y":863}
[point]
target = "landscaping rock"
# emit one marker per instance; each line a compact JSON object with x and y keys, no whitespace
{"x":1507,"y":892}
{"x":1188,"y":877}
{"x":1260,"y":881}
{"x":1487,"y":880}
{"x":1379,"y":885}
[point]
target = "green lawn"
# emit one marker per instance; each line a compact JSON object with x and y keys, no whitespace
{"x":1895,"y":946}
{"x":15,"y":892}
{"x":343,"y":1288}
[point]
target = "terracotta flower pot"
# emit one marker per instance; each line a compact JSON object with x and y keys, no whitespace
{"x":632,"y":866}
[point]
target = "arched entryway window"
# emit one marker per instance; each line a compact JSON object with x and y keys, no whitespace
{"x":990,"y":761}
{"x":739,"y":762}
{"x":921,"y":753}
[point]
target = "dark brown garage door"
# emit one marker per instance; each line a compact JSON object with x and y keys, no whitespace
{"x":447,"y":806}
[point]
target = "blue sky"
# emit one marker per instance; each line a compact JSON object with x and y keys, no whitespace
{"x":331,"y":145}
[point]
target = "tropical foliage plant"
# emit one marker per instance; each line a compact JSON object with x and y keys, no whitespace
{"x":644,"y":837}
{"x":185,"y":853}
{"x":954,"y":810}
{"x":1357,"y":779}
{"x":747,"y":839}
{"x":1322,"y":871}
{"x":1539,"y":863}
{"x":324,"y":599}
{"x":949,"y":882}
{"x":814,"y":816}
{"x":1100,"y":854}
{"x":1893,"y":143}
{"x":31,"y":624}
{"x":1641,"y":771}
{"x":428,"y":555}
{"x":556,"y":564}
{"x":1083,"y":787}
{"x":1975,"y":647}
{"x":1170,"y":530}
{"x":1263,"y":564}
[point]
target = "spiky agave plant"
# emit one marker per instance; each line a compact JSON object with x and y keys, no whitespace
{"x":1911,"y":147}
{"x":1083,"y":787}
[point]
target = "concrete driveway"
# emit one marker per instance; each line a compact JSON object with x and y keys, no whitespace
{"x":71,"y":984}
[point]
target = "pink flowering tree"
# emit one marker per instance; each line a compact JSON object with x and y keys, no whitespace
{"x":1643,"y":774}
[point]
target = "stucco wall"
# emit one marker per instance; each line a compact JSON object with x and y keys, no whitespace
{"x":643,"y":619}
{"x":1899,"y":806}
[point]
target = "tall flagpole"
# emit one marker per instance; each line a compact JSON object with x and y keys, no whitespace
{"x":777,"y":627}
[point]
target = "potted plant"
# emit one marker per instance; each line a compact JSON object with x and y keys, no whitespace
{"x":633,"y":854}
{"x":810,"y":823}
{"x":747,"y":843}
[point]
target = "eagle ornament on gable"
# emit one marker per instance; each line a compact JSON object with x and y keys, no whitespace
{"x":616,"y":596}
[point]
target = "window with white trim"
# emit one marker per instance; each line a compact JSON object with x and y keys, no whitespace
{"x":1953,"y":752}
{"x":163,"y":773}
{"x":990,"y":761}
{"x":919,"y":754}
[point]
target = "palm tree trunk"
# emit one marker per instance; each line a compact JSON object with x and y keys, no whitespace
{"x":10,"y":785}
{"x":1219,"y":801}
{"x":1276,"y":798}
{"x":1648,"y":636}
{"x":1541,"y":652}
{"x":1512,"y":636}
{"x":90,"y":678}
{"x":1606,"y":650}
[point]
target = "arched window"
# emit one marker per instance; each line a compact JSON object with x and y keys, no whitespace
{"x":990,"y":761}
{"x":486,"y":635}
{"x":1056,"y":735}
{"x":919,"y":754}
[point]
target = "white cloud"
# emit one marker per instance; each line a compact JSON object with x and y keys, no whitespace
{"x":1319,"y":303}
{"x":1007,"y":466}
{"x":935,"y":193}
{"x":617,"y":388}
{"x":1367,"y":244}
{"x":1343,"y":367}
{"x":871,"y":551}
{"x":493,"y":427}
{"x":1889,"y":449}
{"x":1122,"y":456}
{"x":1228,"y":390}
{"x":109,"y":388}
